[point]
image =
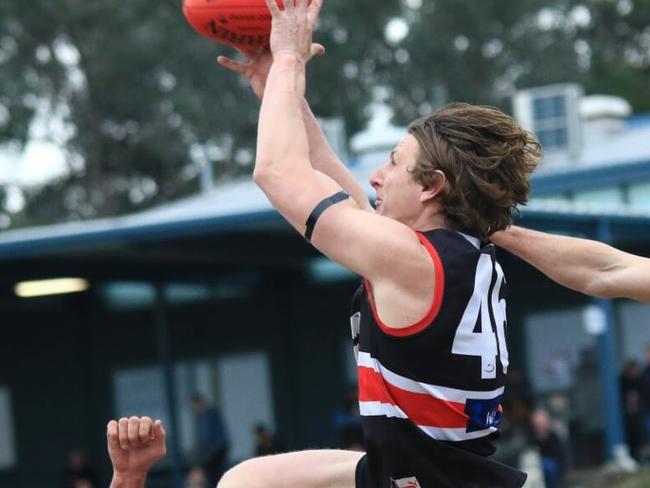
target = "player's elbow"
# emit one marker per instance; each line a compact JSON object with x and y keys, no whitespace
{"x":601,"y":284}
{"x":263,"y":175}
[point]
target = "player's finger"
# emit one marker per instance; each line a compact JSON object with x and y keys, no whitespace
{"x":314,"y":10}
{"x":123,"y":432}
{"x":231,"y":64}
{"x":159,"y":430}
{"x":134,"y":429}
{"x":273,"y":7}
{"x":111,"y":434}
{"x":144,"y":432}
{"x":289,"y":5}
{"x":316,"y":50}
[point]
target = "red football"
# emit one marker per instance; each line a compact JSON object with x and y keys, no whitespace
{"x":241,"y":23}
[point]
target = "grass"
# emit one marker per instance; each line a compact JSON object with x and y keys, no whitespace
{"x":600,"y":480}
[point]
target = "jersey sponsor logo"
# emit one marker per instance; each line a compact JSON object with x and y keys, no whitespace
{"x":411,"y":482}
{"x":483,"y":414}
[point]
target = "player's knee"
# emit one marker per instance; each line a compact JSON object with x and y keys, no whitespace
{"x":243,"y":475}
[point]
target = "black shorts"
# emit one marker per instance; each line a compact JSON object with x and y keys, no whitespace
{"x":361,"y":475}
{"x":511,"y":478}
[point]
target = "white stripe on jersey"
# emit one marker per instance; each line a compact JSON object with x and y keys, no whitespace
{"x":439,"y":392}
{"x":369,"y":409}
{"x":374,"y":409}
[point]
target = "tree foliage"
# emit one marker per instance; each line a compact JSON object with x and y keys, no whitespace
{"x":145,"y":105}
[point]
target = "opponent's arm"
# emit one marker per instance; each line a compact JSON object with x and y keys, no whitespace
{"x":134,"y":445}
{"x":322,"y":156}
{"x":583,"y":265}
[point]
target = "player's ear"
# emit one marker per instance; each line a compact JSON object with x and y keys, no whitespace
{"x":434,"y":188}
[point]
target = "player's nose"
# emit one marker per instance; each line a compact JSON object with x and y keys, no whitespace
{"x":376,"y":178}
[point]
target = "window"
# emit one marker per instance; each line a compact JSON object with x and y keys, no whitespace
{"x":7,"y":446}
{"x":239,"y":385}
{"x":246,"y":399}
{"x":635,"y":333}
{"x":640,"y":195}
{"x":555,"y":342}
{"x":552,"y":112}
{"x":550,"y":120}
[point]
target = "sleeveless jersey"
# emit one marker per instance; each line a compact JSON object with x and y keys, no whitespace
{"x":430,"y":394}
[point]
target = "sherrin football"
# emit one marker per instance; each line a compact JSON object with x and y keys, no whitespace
{"x":240,"y":23}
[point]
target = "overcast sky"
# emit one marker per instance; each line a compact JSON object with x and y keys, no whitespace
{"x":41,"y":161}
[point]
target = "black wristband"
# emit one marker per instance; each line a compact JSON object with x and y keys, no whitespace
{"x":320,"y":208}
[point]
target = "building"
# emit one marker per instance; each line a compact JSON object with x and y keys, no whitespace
{"x":216,"y":294}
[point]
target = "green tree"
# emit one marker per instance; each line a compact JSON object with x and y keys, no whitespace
{"x":619,"y":41}
{"x":145,"y":105}
{"x":144,"y":98}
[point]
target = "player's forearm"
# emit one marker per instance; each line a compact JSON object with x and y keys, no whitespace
{"x":282,"y":139}
{"x":324,"y":159}
{"x":128,"y":481}
{"x":579,"y":264}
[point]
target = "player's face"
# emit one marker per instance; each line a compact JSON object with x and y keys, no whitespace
{"x":398,"y":194}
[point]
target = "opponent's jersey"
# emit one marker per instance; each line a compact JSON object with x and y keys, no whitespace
{"x":430,"y":394}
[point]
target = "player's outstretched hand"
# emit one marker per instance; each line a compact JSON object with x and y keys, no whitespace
{"x":292,"y":28}
{"x":257,"y":65}
{"x":134,"y":445}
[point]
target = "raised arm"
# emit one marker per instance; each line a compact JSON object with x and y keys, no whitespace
{"x":362,"y":241}
{"x":586,"y":266}
{"x":134,"y":445}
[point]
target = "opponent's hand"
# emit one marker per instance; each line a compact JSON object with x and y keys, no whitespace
{"x":134,"y":444}
{"x":257,"y":64}
{"x":292,"y":28}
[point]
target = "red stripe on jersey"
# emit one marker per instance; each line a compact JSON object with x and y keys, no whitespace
{"x":421,"y":408}
{"x":436,"y":302}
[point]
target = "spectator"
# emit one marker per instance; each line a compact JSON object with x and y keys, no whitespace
{"x":84,"y":483}
{"x":551,"y":449}
{"x":78,"y":469}
{"x":265,"y":442}
{"x":644,"y":390}
{"x":212,"y":439}
{"x":196,"y":478}
{"x":632,"y":407}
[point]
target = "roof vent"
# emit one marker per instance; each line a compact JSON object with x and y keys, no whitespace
{"x":604,"y":113}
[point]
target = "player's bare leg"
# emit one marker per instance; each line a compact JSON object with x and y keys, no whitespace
{"x":304,"y":469}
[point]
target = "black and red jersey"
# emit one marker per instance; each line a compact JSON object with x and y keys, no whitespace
{"x":430,"y":394}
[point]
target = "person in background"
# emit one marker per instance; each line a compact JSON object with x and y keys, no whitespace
{"x":644,"y":392}
{"x":266,"y":443}
{"x":211,"y":438}
{"x":632,"y":407}
{"x":78,"y":469}
{"x":196,"y":478}
{"x":551,"y":449}
{"x":84,"y":483}
{"x":134,"y":445}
